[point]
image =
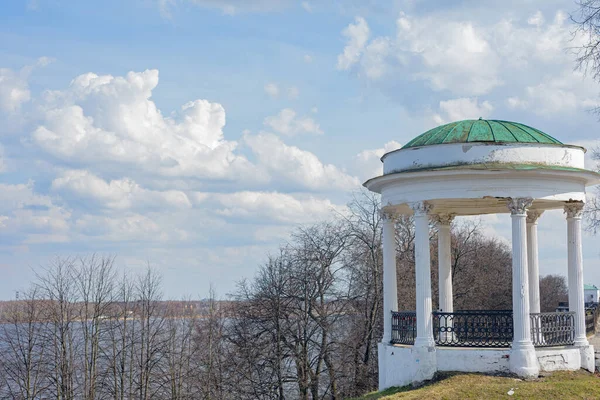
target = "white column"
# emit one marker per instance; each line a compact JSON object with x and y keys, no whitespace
{"x":575,"y":275}
{"x":424,"y":352}
{"x":423,"y":275}
{"x":443,"y":222}
{"x":533,"y":260}
{"x":523,"y":360}
{"x":390,"y":286}
{"x":575,"y":272}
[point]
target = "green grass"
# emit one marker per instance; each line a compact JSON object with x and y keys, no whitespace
{"x":558,"y":385}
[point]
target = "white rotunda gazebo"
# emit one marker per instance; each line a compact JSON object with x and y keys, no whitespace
{"x":476,"y":167}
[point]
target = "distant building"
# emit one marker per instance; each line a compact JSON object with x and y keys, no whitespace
{"x":591,"y":293}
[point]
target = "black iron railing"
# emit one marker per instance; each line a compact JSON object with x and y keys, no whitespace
{"x":473,"y":328}
{"x":404,"y":327}
{"x":485,"y":328}
{"x":552,"y":329}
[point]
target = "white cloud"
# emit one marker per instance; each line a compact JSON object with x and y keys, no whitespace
{"x":464,"y":57}
{"x":373,"y":62}
{"x":454,"y":55}
{"x":280,"y":207}
{"x":308,"y":58}
{"x":101,"y":120}
{"x":288,"y":124}
{"x":462,"y":108}
{"x":357,"y":35}
{"x":27,"y":215}
{"x":307,"y":6}
{"x":290,"y":164}
{"x":536,"y":19}
{"x":367,"y":163}
{"x":14,"y":90}
{"x":14,"y":85}
{"x":134,"y":227}
{"x":117,"y":194}
{"x":272,"y":90}
{"x":563,"y":94}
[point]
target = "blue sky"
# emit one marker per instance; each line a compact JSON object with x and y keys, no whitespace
{"x":195,"y":134}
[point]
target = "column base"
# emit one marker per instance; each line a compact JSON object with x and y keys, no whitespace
{"x":588,"y":359}
{"x":523,"y":360}
{"x":424,"y":363}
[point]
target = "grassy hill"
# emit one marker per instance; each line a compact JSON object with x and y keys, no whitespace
{"x":558,"y":385}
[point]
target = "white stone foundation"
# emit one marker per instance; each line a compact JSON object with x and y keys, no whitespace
{"x":403,"y":365}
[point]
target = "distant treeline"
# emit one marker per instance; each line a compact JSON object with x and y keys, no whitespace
{"x":306,"y":327}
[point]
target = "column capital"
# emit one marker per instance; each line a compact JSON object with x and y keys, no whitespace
{"x":519,"y":205}
{"x":443,"y":219}
{"x":420,"y":208}
{"x":574,"y":209}
{"x":387,"y":215}
{"x":533,"y":216}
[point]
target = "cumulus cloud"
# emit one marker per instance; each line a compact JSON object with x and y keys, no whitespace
{"x":453,"y":55}
{"x":275,"y":206}
{"x":463,"y":108}
{"x":30,"y":217}
{"x":272,"y":90}
{"x":102,"y":119}
{"x":368,"y":162}
{"x":136,"y":227}
{"x":287,"y":123}
{"x":563,"y":94}
{"x":14,"y":90}
{"x":291,"y":165}
{"x":464,"y":57}
{"x":119,"y":193}
{"x":14,"y":85}
{"x":357,"y":35}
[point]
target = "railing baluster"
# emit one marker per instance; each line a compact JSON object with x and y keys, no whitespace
{"x":552,"y":329}
{"x":485,"y":328}
{"x":473,"y":328}
{"x":404,"y":327}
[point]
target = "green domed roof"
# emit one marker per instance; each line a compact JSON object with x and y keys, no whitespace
{"x":482,"y":130}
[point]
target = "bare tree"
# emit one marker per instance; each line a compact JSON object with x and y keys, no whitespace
{"x":587,"y":23}
{"x":57,"y":285}
{"x":149,"y":337}
{"x":21,"y":337}
{"x":363,"y":261}
{"x":587,"y":26}
{"x":553,"y":289}
{"x":118,"y":352}
{"x":94,"y":279}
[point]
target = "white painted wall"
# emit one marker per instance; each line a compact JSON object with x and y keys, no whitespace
{"x":434,"y":185}
{"x":481,"y":153}
{"x":473,"y":360}
{"x":397,"y":364}
{"x":559,"y":359}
